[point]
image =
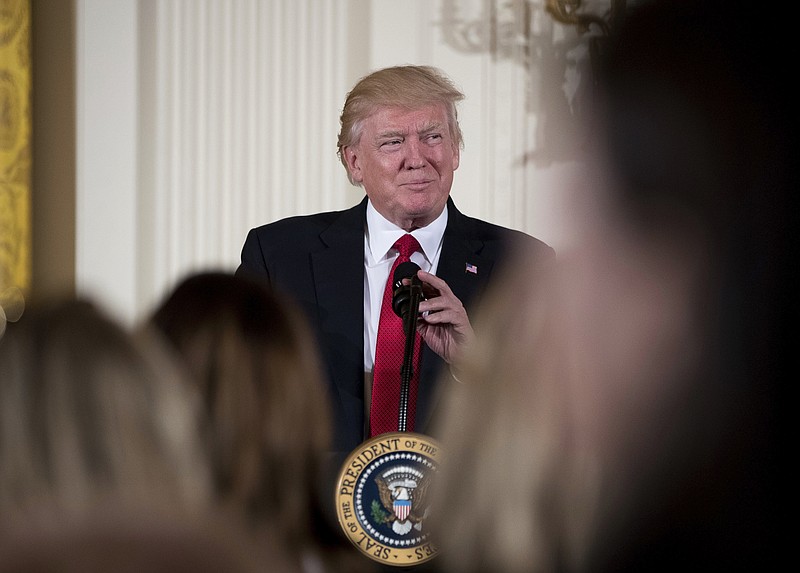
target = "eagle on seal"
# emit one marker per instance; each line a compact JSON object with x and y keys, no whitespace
{"x":405,"y":503}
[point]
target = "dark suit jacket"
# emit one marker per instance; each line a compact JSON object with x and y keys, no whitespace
{"x":318,"y":260}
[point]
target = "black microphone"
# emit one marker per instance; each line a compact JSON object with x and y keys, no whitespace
{"x":401,"y":299}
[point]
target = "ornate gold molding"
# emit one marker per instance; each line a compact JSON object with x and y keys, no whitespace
{"x":574,"y":13}
{"x":15,"y":158}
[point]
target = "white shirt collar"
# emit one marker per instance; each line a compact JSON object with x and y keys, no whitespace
{"x":382,"y":234}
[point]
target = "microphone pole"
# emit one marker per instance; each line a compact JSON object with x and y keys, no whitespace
{"x":406,"y":305}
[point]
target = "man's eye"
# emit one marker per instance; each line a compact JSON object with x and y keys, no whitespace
{"x":391,"y":143}
{"x":434,"y":136}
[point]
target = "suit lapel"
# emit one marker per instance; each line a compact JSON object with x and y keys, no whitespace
{"x":460,"y":247}
{"x":339,"y":282}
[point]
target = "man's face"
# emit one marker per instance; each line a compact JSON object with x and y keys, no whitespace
{"x":405,"y":161}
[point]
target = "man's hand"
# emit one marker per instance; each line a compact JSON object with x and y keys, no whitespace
{"x":443,"y":322}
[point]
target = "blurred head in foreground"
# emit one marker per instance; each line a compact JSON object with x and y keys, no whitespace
{"x":101,"y":463}
{"x":91,"y":416}
{"x":625,"y":414}
{"x":255,"y":362}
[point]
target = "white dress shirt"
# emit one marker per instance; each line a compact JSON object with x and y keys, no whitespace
{"x":379,"y":237}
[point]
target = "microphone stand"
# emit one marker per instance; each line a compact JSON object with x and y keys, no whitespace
{"x":407,"y":370}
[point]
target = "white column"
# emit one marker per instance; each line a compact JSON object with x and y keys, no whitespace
{"x":243,"y":104}
{"x":106,"y":171}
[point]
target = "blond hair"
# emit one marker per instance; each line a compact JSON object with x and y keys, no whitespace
{"x":410,"y":87}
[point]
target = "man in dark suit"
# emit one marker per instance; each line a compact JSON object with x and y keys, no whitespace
{"x":401,"y":141}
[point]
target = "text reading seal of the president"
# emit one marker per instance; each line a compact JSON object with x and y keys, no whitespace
{"x":382,"y":497}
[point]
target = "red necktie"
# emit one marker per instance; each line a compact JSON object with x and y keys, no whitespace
{"x":389,"y":353}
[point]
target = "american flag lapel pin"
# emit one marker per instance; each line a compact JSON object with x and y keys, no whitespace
{"x":471,"y":269}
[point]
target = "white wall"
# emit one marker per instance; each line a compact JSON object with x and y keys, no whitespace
{"x":198,"y":119}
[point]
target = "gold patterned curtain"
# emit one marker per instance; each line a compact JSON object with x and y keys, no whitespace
{"x":15,"y":158}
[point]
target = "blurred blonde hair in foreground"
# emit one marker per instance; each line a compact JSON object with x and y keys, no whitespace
{"x":627,"y":412}
{"x":256,"y":365}
{"x":101,"y":463}
{"x":89,"y":413}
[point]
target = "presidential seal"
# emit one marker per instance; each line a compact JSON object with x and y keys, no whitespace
{"x":382,"y":499}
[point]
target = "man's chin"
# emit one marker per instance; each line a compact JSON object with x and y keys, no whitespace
{"x":422,"y":217}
